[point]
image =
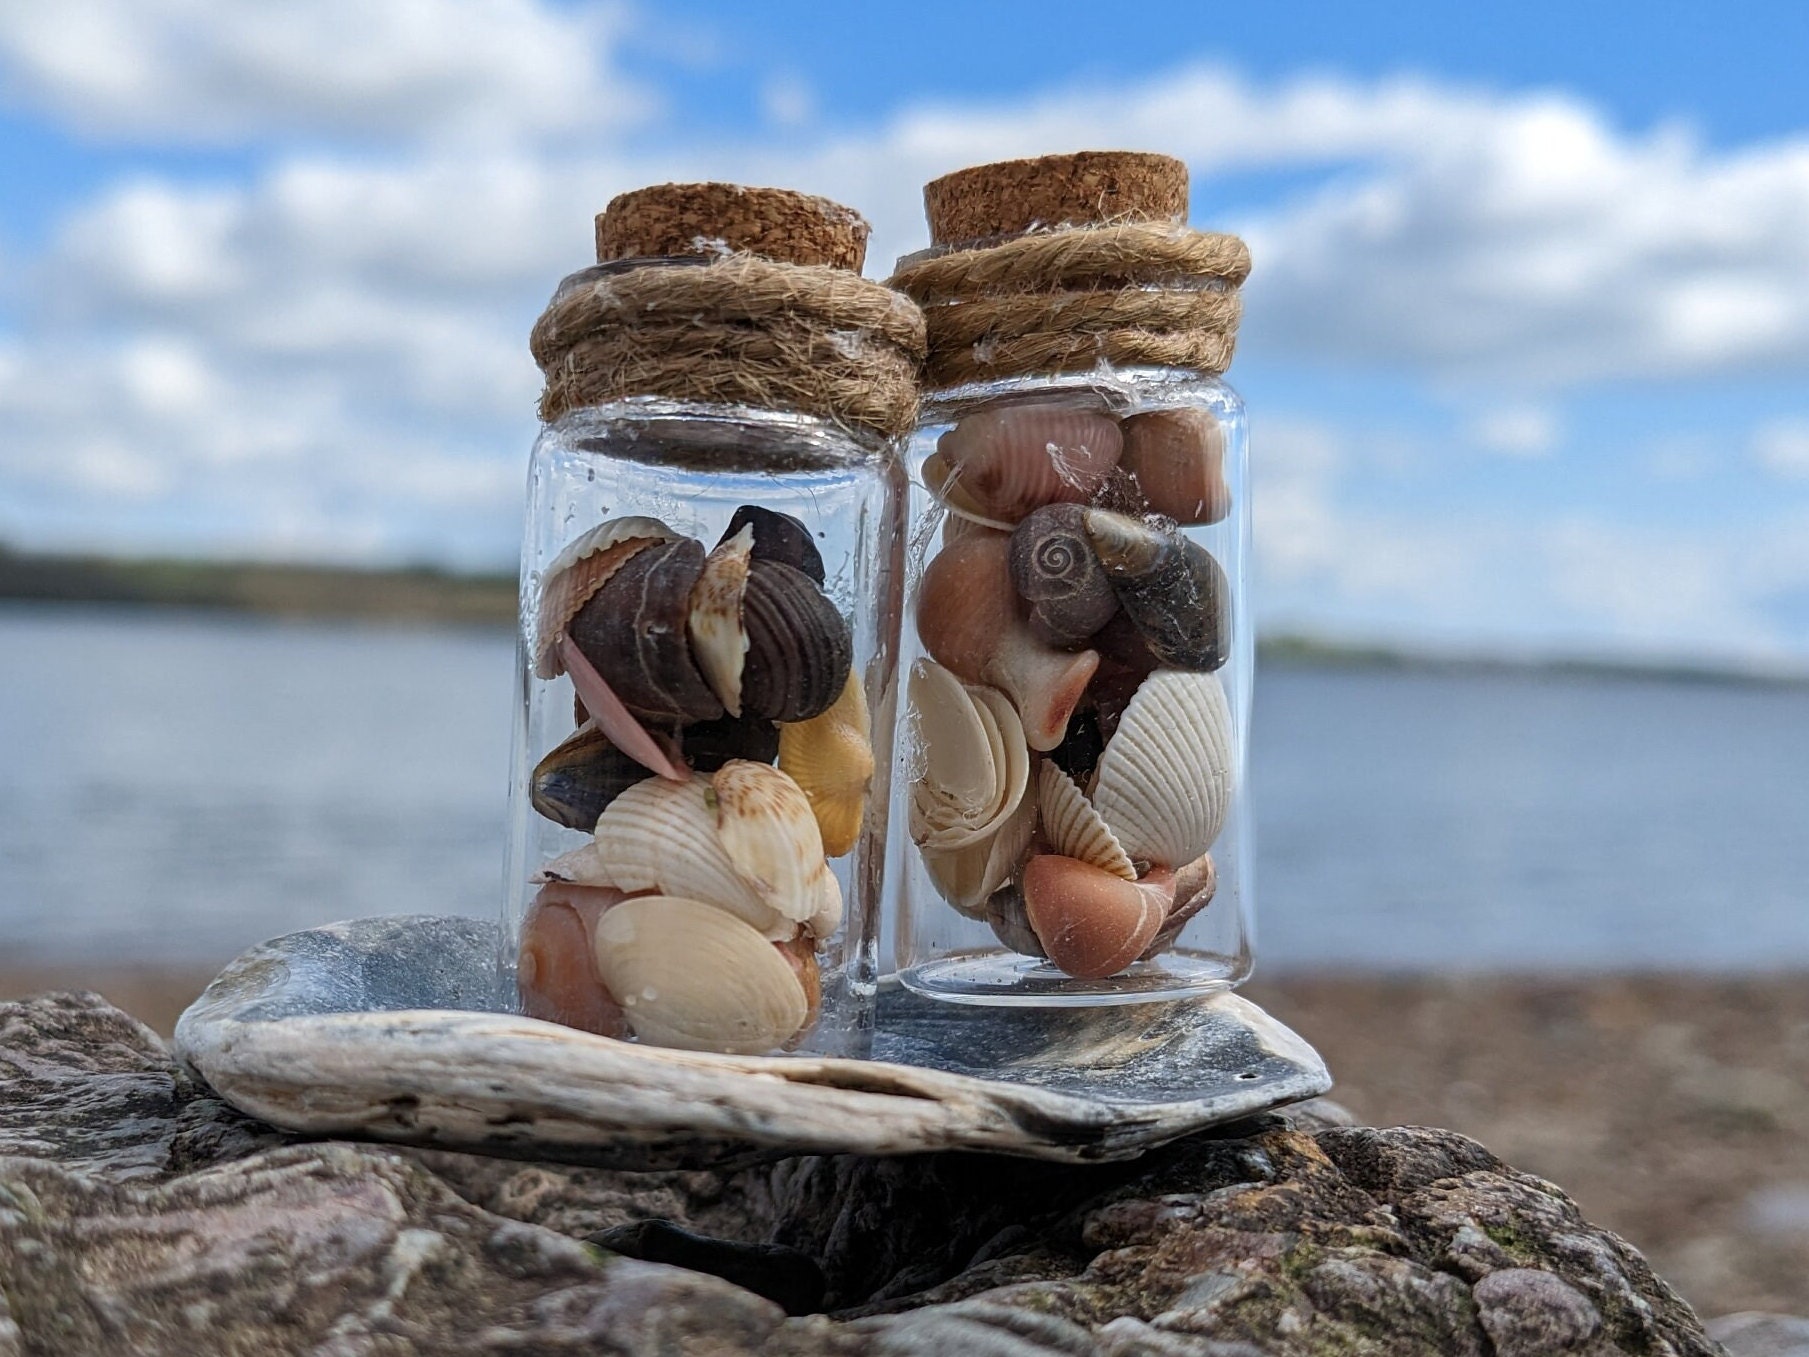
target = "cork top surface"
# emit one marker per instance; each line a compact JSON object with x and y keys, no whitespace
{"x":1009,"y":197}
{"x":708,"y":219}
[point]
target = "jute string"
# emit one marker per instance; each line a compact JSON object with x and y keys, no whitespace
{"x":738,"y":330}
{"x":1128,"y":293}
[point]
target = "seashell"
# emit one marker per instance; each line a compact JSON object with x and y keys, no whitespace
{"x":713,"y":626}
{"x":662,"y":836}
{"x":580,"y":776}
{"x":692,"y":977}
{"x":1123,"y":652}
{"x":1169,"y":587}
{"x":968,"y":877}
{"x":799,"y":647}
{"x":710,"y":744}
{"x":976,"y":763}
{"x":1178,"y":460}
{"x":1078,"y":753}
{"x":615,"y":720}
{"x":964,"y":512}
{"x":578,"y":572}
{"x":1195,"y":885}
{"x":801,"y":956}
{"x":967,"y":619}
{"x":766,"y":826}
{"x":1092,"y":924}
{"x":1012,"y":459}
{"x":1165,"y":779}
{"x":582,"y":866}
{"x":831,"y":757}
{"x":633,"y":630}
{"x":1055,"y":571}
{"x":1073,"y":828}
{"x":556,"y":967}
{"x":828,"y":915}
{"x":779,"y":537}
{"x":1010,"y":924}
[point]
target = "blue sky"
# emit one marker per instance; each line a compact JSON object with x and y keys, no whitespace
{"x":1526,"y":345}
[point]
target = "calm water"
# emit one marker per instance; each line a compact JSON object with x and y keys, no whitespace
{"x":175,"y":788}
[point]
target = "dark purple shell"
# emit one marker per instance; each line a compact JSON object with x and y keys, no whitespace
{"x":633,"y":631}
{"x":779,"y":537}
{"x":799,"y":648}
{"x":578,"y":778}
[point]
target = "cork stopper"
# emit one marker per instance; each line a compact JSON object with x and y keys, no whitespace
{"x":713,"y":219}
{"x":1086,"y":188}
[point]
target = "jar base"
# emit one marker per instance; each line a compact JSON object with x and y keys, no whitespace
{"x":999,"y":977}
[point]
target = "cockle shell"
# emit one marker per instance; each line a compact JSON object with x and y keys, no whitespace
{"x":1169,"y":586}
{"x":1011,"y":459}
{"x":1074,"y":829}
{"x":662,"y":836}
{"x":779,"y":537}
{"x":1195,"y":885}
{"x":1165,"y":779}
{"x":831,"y":757}
{"x":799,"y":647}
{"x":1092,"y":924}
{"x":692,"y":977}
{"x":556,"y":967}
{"x":580,"y":776}
{"x":1177,"y":458}
{"x":633,"y":630}
{"x":578,"y":571}
{"x":967,"y":618}
{"x":718,"y":640}
{"x":968,"y":877}
{"x":976,"y":764}
{"x":1055,"y":571}
{"x":766,"y":826}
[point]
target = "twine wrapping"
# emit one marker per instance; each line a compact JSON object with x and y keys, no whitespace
{"x":737,"y":330}
{"x":1129,"y":293}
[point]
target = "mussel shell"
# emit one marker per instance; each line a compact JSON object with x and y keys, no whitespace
{"x":779,"y":537}
{"x":633,"y":630}
{"x":1169,"y":587}
{"x":579,"y":777}
{"x":1010,"y":924}
{"x":799,"y":647}
{"x":708,"y":745}
{"x":1056,"y":572}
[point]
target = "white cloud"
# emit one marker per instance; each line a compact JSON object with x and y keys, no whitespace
{"x":787,"y":101}
{"x":1516,"y":430}
{"x":1782,"y":448}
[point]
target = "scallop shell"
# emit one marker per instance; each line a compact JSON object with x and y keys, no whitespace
{"x":1165,"y":779}
{"x":831,"y":757}
{"x":718,"y":640}
{"x":578,"y":571}
{"x":799,"y":647}
{"x":779,"y":537}
{"x":692,"y":977}
{"x":633,"y":630}
{"x":1092,"y":924}
{"x":1177,"y":458}
{"x":1074,"y":829}
{"x":662,"y":836}
{"x":556,"y":968}
{"x":968,"y":877}
{"x":1012,"y":459}
{"x":766,"y":826}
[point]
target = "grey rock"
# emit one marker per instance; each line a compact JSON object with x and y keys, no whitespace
{"x":1527,"y":1312}
{"x":1753,"y":1334}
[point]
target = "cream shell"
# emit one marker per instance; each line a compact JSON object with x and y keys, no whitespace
{"x":578,"y":571}
{"x":1074,"y":829}
{"x":1165,"y":780}
{"x":718,"y":639}
{"x":767,"y":829}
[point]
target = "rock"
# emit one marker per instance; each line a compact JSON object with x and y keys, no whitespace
{"x":139,"y":1214}
{"x":1753,"y":1334}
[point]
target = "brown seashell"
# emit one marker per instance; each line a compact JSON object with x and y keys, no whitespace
{"x":1010,"y":460}
{"x":779,"y":537}
{"x":713,"y":626}
{"x":1195,"y":885}
{"x":556,"y":968}
{"x":964,"y":512}
{"x":1010,"y":925}
{"x":1092,"y":924}
{"x":710,"y":744}
{"x":633,"y":630}
{"x":831,"y":757}
{"x":579,"y":777}
{"x":577,"y":572}
{"x":801,"y":955}
{"x":615,"y":720}
{"x":1169,"y":587}
{"x":967,"y":619}
{"x":799,"y":647}
{"x":1055,"y":571}
{"x":1177,"y":458}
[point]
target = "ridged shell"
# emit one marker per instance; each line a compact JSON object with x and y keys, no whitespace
{"x":718,"y":640}
{"x":1165,"y":779}
{"x":1092,"y":924}
{"x":1074,"y":829}
{"x":556,"y":967}
{"x":692,"y":977}
{"x":1012,"y":459}
{"x":779,"y":537}
{"x":662,"y":836}
{"x":578,"y":571}
{"x":579,"y":777}
{"x":1177,"y":459}
{"x":968,"y":877}
{"x":770,"y":834}
{"x":831,"y":757}
{"x":633,"y":630}
{"x":799,"y":647}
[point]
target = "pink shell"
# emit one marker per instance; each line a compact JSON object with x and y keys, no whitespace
{"x":1011,"y":460}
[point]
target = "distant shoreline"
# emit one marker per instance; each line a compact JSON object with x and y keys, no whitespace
{"x":427,"y":594}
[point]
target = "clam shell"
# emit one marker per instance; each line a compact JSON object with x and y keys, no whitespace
{"x":634,"y":631}
{"x":1074,"y":829}
{"x":662,"y":836}
{"x":1177,"y":458}
{"x":967,"y":877}
{"x":768,"y":831}
{"x":1195,"y":885}
{"x":556,"y":969}
{"x":718,"y":641}
{"x":1165,"y":779}
{"x":799,"y":647}
{"x":779,"y":537}
{"x":968,"y":786}
{"x":1169,"y":586}
{"x":1092,"y":924}
{"x":579,"y":777}
{"x":1012,"y":459}
{"x":692,"y":977}
{"x":578,"y":571}
{"x":1054,"y":570}
{"x":831,"y":757}
{"x":945,"y":487}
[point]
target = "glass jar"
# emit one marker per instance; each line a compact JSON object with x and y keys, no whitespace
{"x":709,"y":611}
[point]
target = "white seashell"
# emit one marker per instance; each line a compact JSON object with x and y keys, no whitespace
{"x":692,"y":977}
{"x":976,"y":761}
{"x":718,"y":639}
{"x":583,"y":866}
{"x":1074,"y":829}
{"x":828,"y":916}
{"x":662,"y":836}
{"x":578,"y":571}
{"x":967,"y":877}
{"x":768,"y":830}
{"x":1165,"y":778}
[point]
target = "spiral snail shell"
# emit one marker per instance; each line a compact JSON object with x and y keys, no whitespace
{"x":1055,"y":571}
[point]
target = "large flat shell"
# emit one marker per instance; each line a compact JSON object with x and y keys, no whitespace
{"x":765,"y":825}
{"x":718,"y":639}
{"x":957,"y":755}
{"x":1074,"y":829}
{"x":1165,"y":779}
{"x":402,"y":1029}
{"x":965,"y":877}
{"x":577,"y":572}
